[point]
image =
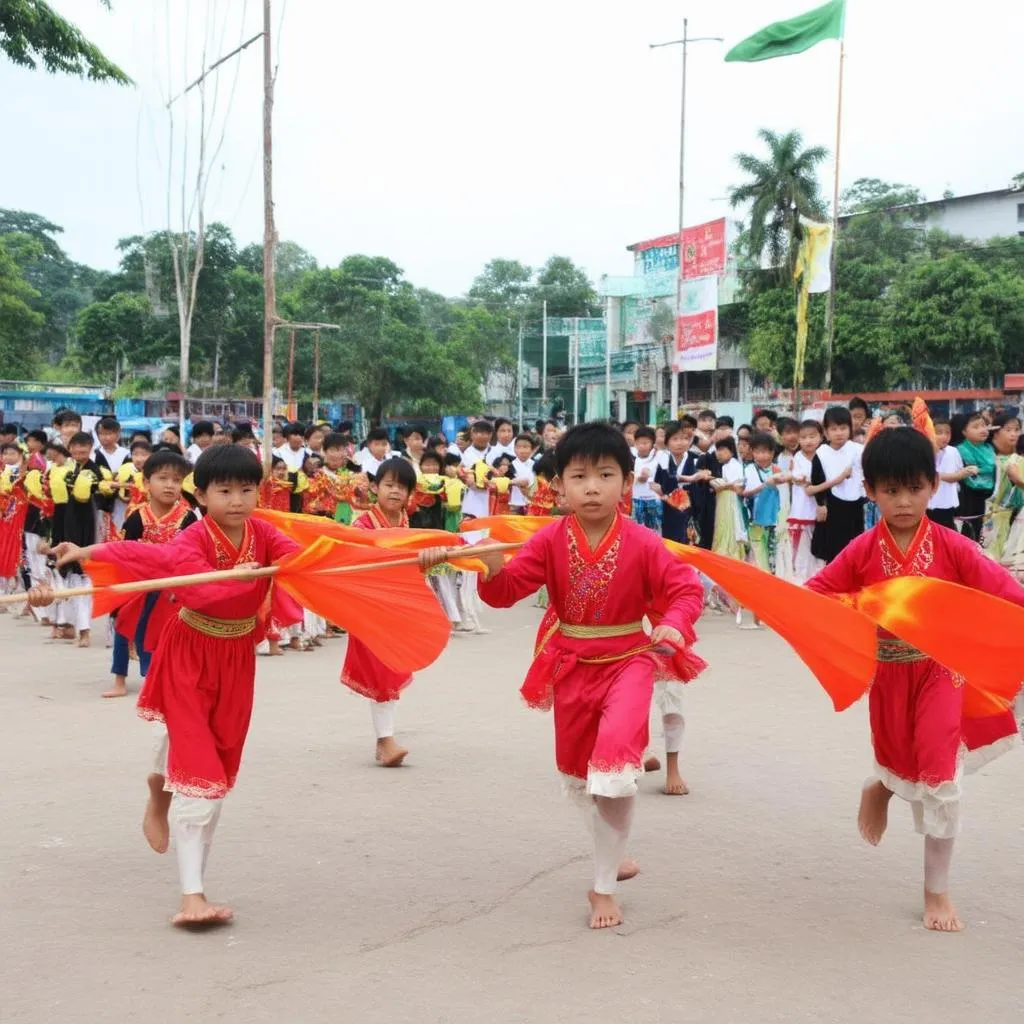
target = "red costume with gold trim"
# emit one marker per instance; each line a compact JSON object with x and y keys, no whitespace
{"x":922,"y":739}
{"x":362,"y":671}
{"x":200,"y":682}
{"x":594,"y":662}
{"x":14,"y":502}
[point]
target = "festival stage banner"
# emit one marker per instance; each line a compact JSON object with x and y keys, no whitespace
{"x":697,"y":325}
{"x":704,"y":250}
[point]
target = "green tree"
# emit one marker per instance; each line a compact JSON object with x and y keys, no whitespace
{"x":504,"y":286}
{"x":20,"y":324}
{"x":31,"y":31}
{"x":108,"y":332}
{"x":567,"y":289}
{"x":870,"y":195}
{"x":781,"y":188}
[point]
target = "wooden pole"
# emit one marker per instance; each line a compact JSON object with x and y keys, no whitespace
{"x":291,"y":371}
{"x":316,"y":376}
{"x":830,"y":309}
{"x":244,"y":575}
{"x":269,"y":292}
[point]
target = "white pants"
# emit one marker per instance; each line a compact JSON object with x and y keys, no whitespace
{"x":193,"y":821}
{"x":468,"y":601}
{"x":37,"y":570}
{"x":314,"y":625}
{"x":668,"y":700}
{"x":383,"y":715}
{"x":447,"y":594}
{"x":76,"y":611}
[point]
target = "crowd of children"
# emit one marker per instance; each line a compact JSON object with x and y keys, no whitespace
{"x":836,"y":504}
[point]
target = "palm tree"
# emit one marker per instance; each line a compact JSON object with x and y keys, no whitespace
{"x":781,"y":189}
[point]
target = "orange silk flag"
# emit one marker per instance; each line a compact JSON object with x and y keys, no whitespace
{"x":941,"y":619}
{"x":835,"y":642}
{"x":365,"y":603}
{"x":306,"y":530}
{"x":921,"y":421}
{"x":106,"y":574}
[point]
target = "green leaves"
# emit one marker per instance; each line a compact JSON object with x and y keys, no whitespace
{"x":31,"y":32}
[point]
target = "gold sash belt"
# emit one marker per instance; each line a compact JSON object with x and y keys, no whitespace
{"x":599,"y":632}
{"x":221,"y":629}
{"x":899,"y":652}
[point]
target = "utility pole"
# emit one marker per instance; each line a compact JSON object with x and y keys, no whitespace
{"x":684,"y":42}
{"x":519,"y":374}
{"x":269,"y":289}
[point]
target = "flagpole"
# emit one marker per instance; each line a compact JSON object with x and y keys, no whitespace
{"x":830,"y":309}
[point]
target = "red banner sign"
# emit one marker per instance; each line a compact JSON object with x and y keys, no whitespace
{"x":704,"y":250}
{"x":697,"y":331}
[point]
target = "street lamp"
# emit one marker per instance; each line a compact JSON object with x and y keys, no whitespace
{"x":684,"y":42}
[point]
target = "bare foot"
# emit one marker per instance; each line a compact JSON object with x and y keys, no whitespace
{"x":154,"y":821}
{"x":196,"y":911}
{"x":67,"y":632}
{"x":84,"y":639}
{"x":604,"y":911}
{"x":675,"y":784}
{"x":874,"y":812}
{"x":652,"y":764}
{"x":56,"y":633}
{"x":389,"y":753}
{"x":274,"y":649}
{"x":939,"y":913}
{"x":119,"y":689}
{"x":628,"y":869}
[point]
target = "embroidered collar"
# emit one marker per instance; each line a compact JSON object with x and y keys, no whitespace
{"x":380,"y":521}
{"x":582,"y":544}
{"x":918,"y":557}
{"x":227,"y":555}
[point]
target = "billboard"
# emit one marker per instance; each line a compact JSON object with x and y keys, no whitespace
{"x":697,"y":325}
{"x":647,"y":321}
{"x":704,"y":250}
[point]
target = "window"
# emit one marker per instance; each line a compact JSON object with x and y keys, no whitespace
{"x":1020,"y":211}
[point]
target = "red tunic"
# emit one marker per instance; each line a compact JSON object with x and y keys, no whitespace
{"x":362,"y":670}
{"x":200,"y":682}
{"x":594,"y":661}
{"x":13,"y":509}
{"x":916,"y":705}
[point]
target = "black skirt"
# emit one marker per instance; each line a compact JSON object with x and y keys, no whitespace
{"x":844,"y":522}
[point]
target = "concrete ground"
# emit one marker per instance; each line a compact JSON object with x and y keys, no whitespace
{"x":453,"y":890}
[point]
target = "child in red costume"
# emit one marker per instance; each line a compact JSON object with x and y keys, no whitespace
{"x":922,"y":741}
{"x":362,"y":671}
{"x":594,"y":662}
{"x":200,"y":682}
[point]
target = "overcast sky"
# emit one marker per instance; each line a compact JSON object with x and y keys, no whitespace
{"x":444,"y":134}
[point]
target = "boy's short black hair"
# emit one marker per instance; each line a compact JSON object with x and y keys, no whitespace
{"x":56,"y":446}
{"x":204,"y":428}
{"x":136,"y":445}
{"x":763,"y":440}
{"x":291,"y":429}
{"x":67,"y":416}
{"x":482,"y":427}
{"x":430,"y":456}
{"x":80,"y":438}
{"x":275,"y":461}
{"x":524,"y":437}
{"x":37,"y":435}
{"x":647,"y":432}
{"x":9,"y":428}
{"x":768,"y":414}
{"x":547,"y":468}
{"x":400,"y":469}
{"x":377,"y":434}
{"x":166,"y":460}
{"x":706,"y":414}
{"x":589,"y":442}
{"x":900,"y":456}
{"x":501,"y":422}
{"x":858,"y":403}
{"x":242,"y":433}
{"x":108,"y":423}
{"x":451,"y":459}
{"x":416,"y":428}
{"x":630,"y":423}
{"x":334,"y":440}
{"x":812,"y":425}
{"x":226,"y":464}
{"x":837,"y":416}
{"x":941,"y":421}
{"x":786,"y":423}
{"x":436,"y":441}
{"x":725,"y":421}
{"x":312,"y":429}
{"x":671,"y":429}
{"x":747,"y":427}
{"x":687,"y":421}
{"x":727,"y":442}
{"x":10,"y":446}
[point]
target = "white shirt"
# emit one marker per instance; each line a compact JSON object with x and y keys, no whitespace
{"x":368,"y":462}
{"x":648,"y":464}
{"x":520,"y":471}
{"x":193,"y":453}
{"x":292,"y":459}
{"x":835,"y":461}
{"x":947,"y":460}
{"x":803,"y":506}
{"x":454,"y":449}
{"x":114,"y":459}
{"x":474,"y":502}
{"x":732,"y":471}
{"x":498,"y":450}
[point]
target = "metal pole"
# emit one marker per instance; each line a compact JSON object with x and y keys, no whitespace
{"x":544,"y":361}
{"x":830,"y":309}
{"x":519,"y":371}
{"x":316,"y":376}
{"x":608,"y":354}
{"x":674,"y":391}
{"x":576,"y":371}
{"x":269,"y":294}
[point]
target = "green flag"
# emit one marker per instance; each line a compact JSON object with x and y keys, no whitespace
{"x":794,"y":36}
